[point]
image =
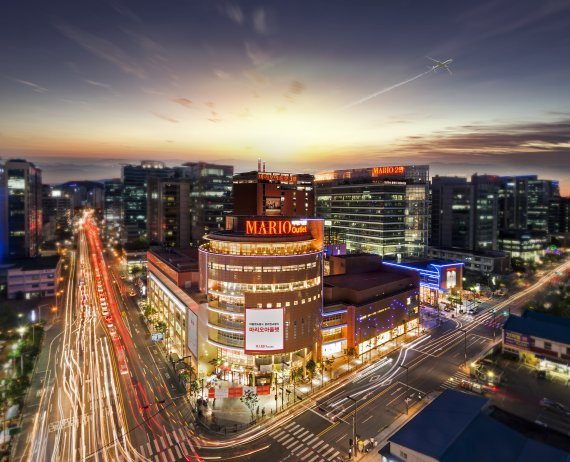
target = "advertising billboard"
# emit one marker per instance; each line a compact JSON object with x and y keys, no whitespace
{"x":517,"y":340}
{"x":263,"y":330}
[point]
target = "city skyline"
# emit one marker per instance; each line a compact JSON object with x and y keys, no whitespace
{"x":90,"y":87}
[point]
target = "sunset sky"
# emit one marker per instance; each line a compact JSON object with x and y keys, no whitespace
{"x":88,"y":85}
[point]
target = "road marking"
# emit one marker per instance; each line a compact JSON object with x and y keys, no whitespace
{"x":319,"y":443}
{"x":312,"y":440}
{"x":316,"y":456}
{"x":302,"y":451}
{"x":303,"y":434}
{"x":149,"y":449}
{"x":156,"y":445}
{"x":329,"y":451}
{"x":178,"y":453}
{"x":367,"y":419}
{"x":295,"y":424}
{"x":298,"y":431}
{"x":170,"y":454}
{"x":169,"y":440}
{"x":287,"y":441}
{"x":282,"y":437}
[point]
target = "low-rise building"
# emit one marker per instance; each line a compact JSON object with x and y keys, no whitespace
{"x":539,"y":339}
{"x":489,"y":262}
{"x":367,"y":304}
{"x":33,"y":277}
{"x":457,"y":426}
{"x":528,"y":245}
{"x":174,"y":299}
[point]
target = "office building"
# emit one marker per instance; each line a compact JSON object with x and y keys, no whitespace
{"x":3,"y":216}
{"x":485,"y":212}
{"x":134,"y":179}
{"x":489,"y":262}
{"x":524,"y":244}
{"x":564,"y":215}
{"x":367,"y":305}
{"x":168,"y":212}
{"x":451,"y":213}
{"x":526,"y":202}
{"x":113,"y":210}
{"x":263,"y":280}
{"x":274,"y":194}
{"x":210,"y":197}
{"x":57,"y":213}
{"x":382,"y":210}
{"x":457,"y":426}
{"x":23,"y":183}
{"x":33,"y":277}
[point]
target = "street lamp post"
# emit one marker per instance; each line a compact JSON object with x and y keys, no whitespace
{"x":464,"y":345}
{"x":407,"y":386}
{"x":354,"y":445}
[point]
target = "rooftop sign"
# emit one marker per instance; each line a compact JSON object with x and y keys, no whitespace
{"x":285,"y":177}
{"x":275,"y":227}
{"x":398,"y":170}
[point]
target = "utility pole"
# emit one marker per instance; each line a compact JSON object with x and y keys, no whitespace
{"x":354,"y":444}
{"x":407,"y":386}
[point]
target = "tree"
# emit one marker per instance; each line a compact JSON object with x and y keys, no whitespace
{"x":160,"y":326}
{"x":311,"y":366}
{"x":251,"y":400}
{"x":350,"y":354}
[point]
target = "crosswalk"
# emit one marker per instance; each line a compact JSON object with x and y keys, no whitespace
{"x":306,"y":446}
{"x":174,"y":445}
{"x":455,"y":380}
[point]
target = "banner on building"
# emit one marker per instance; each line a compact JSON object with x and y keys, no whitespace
{"x":237,"y":392}
{"x":263,"y":330}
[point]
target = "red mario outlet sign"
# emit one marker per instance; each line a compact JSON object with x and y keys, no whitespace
{"x":275,"y":227}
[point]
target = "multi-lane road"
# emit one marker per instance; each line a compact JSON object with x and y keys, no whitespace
{"x":106,"y":393}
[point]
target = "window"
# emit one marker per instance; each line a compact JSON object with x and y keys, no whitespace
{"x":278,"y":305}
{"x":260,"y":305}
{"x":547,"y":346}
{"x":287,"y":303}
{"x":295,"y":302}
{"x":270,"y":305}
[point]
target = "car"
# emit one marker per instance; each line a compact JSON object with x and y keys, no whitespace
{"x":104,"y":312}
{"x":555,"y":406}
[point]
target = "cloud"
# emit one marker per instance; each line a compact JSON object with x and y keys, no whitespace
{"x":165,"y":117}
{"x":98,"y":84}
{"x":221,"y":74}
{"x":259,"y":58}
{"x":103,"y":49}
{"x":183,"y":102}
{"x":233,"y":11}
{"x":260,"y":21}
{"x":295,"y":89}
{"x":214,"y":117}
{"x":124,"y":11}
{"x":37,"y":88}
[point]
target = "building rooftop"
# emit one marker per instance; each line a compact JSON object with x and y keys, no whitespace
{"x":456,"y":426}
{"x":424,"y":264}
{"x":540,"y":325}
{"x":179,"y":259}
{"x":477,"y":253}
{"x":35,"y":263}
{"x":363,"y":281}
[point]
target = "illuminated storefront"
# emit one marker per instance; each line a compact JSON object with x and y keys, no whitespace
{"x":438,"y":280}
{"x":263,"y":280}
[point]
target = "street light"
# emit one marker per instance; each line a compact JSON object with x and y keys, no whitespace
{"x":354,"y":445}
{"x":407,"y":385}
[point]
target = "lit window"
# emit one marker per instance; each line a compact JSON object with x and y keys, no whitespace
{"x":287,"y":303}
{"x":278,"y":305}
{"x":270,"y":305}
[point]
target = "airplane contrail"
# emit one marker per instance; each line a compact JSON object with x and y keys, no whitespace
{"x":386,"y":90}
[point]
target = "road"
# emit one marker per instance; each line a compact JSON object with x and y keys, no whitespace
{"x":106,"y":392}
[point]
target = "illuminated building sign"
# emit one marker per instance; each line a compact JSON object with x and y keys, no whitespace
{"x":517,"y":340}
{"x":377,"y":171}
{"x":275,"y":227}
{"x":285,"y":177}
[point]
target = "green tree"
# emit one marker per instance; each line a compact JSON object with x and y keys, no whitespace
{"x":311,"y":367}
{"x":350,"y":353}
{"x":251,"y":400}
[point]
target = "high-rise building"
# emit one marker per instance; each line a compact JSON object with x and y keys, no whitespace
{"x":168,"y":212}
{"x":113,"y":208}
{"x":529,"y":203}
{"x":485,"y":212}
{"x":3,"y":215}
{"x":57,"y":212}
{"x":382,"y":210}
{"x":564,"y":215}
{"x":134,"y":178}
{"x":451,"y":212}
{"x":23,"y":183}
{"x":210,"y":196}
{"x":274,"y":194}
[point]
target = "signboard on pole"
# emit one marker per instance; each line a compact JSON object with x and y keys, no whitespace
{"x":157,"y":337}
{"x":264,"y":330}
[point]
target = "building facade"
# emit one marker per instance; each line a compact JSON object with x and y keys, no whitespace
{"x":113,"y":209}
{"x":367,"y":305}
{"x":263,"y":280}
{"x":210,"y":197}
{"x":485,"y":212}
{"x":274,"y":194}
{"x":33,"y":278}
{"x":490,"y":262}
{"x":380,"y":210}
{"x":23,"y":189}
{"x":168,"y":212}
{"x":134,"y":179}
{"x":524,"y":244}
